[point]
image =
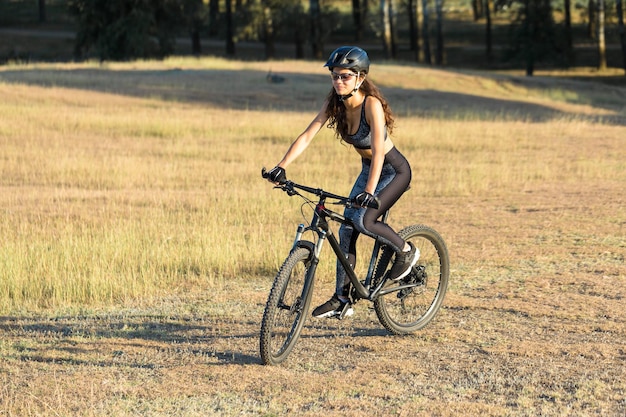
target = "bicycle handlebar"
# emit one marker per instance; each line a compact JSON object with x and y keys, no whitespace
{"x":289,"y":186}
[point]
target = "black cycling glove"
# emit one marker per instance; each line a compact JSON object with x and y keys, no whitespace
{"x":365,"y":199}
{"x":277,"y":174}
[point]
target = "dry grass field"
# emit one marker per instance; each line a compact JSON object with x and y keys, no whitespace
{"x":139,"y":243}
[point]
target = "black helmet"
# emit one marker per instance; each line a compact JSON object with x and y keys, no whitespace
{"x":350,"y":57}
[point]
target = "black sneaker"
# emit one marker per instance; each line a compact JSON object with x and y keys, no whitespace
{"x":333,"y":307}
{"x":403,"y":263}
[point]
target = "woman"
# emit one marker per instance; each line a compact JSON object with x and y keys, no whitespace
{"x":361,"y":117}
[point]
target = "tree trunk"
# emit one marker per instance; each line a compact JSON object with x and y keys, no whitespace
{"x":439,"y":56}
{"x":601,"y":37}
{"x":316,"y":29}
{"x":268,"y":31}
{"x":477,"y":9}
{"x":386,"y":23}
{"x":488,"y":37}
{"x":365,"y":10}
{"x":591,"y":27}
{"x":299,"y":35}
{"x":193,"y":11}
{"x":622,"y":32}
{"x":213,"y":12}
{"x":394,"y":28}
{"x":414,"y":28}
{"x":568,"y":24}
{"x":529,"y":24}
{"x":42,"y":11}
{"x":425,"y":35}
{"x":357,"y":17}
{"x":230,"y":31}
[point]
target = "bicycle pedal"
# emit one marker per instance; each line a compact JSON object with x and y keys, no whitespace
{"x":346,"y":312}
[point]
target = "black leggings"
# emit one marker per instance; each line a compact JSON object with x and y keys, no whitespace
{"x":388,"y":197}
{"x":394,"y":181}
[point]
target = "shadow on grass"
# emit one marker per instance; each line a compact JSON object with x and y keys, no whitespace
{"x":253,"y":90}
{"x":74,"y":337}
{"x":71,"y":340}
{"x":323,"y":331}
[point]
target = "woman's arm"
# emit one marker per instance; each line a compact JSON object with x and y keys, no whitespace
{"x":304,"y":139}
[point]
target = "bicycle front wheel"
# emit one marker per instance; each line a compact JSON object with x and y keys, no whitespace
{"x":287,"y":307}
{"x":409,"y":309}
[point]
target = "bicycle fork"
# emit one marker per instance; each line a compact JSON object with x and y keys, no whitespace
{"x":316,"y":249}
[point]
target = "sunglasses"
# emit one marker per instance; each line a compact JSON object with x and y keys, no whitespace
{"x":343,"y":77}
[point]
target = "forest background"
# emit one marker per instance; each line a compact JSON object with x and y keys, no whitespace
{"x":488,"y":34}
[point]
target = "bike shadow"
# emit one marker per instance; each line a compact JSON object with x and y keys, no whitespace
{"x":130,"y":342}
{"x":322,"y":331}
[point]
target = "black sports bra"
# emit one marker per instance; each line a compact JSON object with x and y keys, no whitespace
{"x":362,"y":139}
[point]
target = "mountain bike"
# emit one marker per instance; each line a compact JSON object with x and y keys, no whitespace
{"x":402,"y":307}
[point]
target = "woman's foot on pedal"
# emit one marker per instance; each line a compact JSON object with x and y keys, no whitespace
{"x":403,"y":263}
{"x":333,"y":307}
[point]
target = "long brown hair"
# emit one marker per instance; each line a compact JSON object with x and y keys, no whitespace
{"x":336,"y":110}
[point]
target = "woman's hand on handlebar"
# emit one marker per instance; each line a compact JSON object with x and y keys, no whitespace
{"x":366,"y":199}
{"x":277,"y":175}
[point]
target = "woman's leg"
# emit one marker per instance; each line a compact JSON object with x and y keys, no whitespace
{"x":347,"y":241}
{"x":348,"y":236}
{"x":394,"y":182}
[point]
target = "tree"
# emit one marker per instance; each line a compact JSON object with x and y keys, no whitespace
{"x":194,"y":13}
{"x":214,"y":10}
{"x":42,"y":10}
{"x":126,"y":29}
{"x":412,"y":12}
{"x":439,"y":55}
{"x":528,"y":34}
{"x":601,"y":37}
{"x":365,"y":10}
{"x":425,"y":35}
{"x":385,"y":14}
{"x":230,"y":29}
{"x":488,"y":37}
{"x":270,"y":20}
{"x":315,"y":17}
{"x":569,"y":41}
{"x":622,"y":32}
{"x":295,"y":17}
{"x":394,"y":28}
{"x":357,"y":17}
{"x":477,"y":9}
{"x":591,"y":25}
{"x":388,"y":20}
{"x":268,"y":31}
{"x":533,"y":38}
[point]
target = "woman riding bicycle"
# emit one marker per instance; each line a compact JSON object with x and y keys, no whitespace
{"x":361,"y":117}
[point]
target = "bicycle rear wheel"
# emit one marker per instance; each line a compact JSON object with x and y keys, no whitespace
{"x":287,"y":307}
{"x":407,"y":310}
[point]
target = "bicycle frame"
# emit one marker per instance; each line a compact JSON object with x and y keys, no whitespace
{"x":320,"y":226}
